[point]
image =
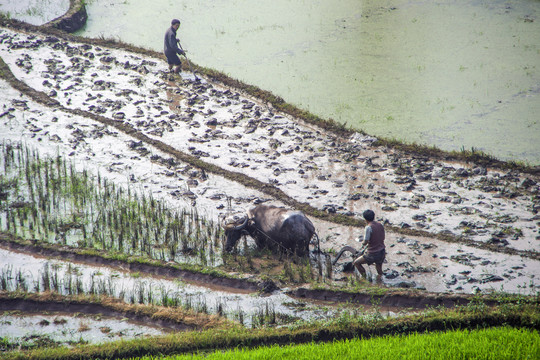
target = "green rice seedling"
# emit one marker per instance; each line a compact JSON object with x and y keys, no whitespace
{"x":219,"y":308}
{"x":68,"y":284}
{"x":68,"y":208}
{"x":304,"y":271}
{"x":8,"y":222}
{"x":202,"y":257}
{"x":203,"y":307}
{"x":211,"y":253}
{"x":110,"y":287}
{"x":328,"y":267}
{"x":162,"y":255}
{"x":240,"y":316}
{"x":79,"y":285}
{"x":37,"y":286}
{"x":255,"y":321}
{"x":101,"y":287}
{"x":55,"y":284}
{"x":264,"y":316}
{"x":270,"y":314}
{"x":165,"y":300}
{"x":150,"y":295}
{"x":45,"y":277}
{"x":287,"y":273}
{"x":122,"y":294}
{"x":139,"y":289}
{"x":188,"y":303}
{"x":5,"y":278}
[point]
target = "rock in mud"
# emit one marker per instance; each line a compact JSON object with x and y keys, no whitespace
{"x":406,"y":284}
{"x":268,"y":286}
{"x":391,"y":274}
{"x":490,"y":278}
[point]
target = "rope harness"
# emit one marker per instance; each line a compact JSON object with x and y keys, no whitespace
{"x":268,"y":237}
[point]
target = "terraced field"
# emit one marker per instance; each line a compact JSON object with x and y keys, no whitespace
{"x":115,"y":176}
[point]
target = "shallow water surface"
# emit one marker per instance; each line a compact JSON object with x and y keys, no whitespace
{"x":36,"y":12}
{"x":19,"y":271}
{"x":455,"y":75}
{"x":70,"y":328}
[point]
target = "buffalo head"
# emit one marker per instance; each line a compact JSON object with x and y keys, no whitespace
{"x":234,"y":225}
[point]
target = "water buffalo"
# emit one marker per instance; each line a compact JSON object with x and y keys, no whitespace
{"x":273,"y":227}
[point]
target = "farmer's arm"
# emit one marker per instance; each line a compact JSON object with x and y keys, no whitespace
{"x":173,"y":43}
{"x":179,"y":49}
{"x":367,"y":236}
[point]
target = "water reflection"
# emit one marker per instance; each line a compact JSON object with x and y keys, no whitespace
{"x":36,"y":12}
{"x":22,"y":272}
{"x":455,"y":75}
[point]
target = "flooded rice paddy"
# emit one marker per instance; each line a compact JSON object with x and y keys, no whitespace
{"x":223,"y":128}
{"x":29,"y":273}
{"x":450,"y":74}
{"x":35,"y":329}
{"x":36,"y":12}
{"x":227,"y":129}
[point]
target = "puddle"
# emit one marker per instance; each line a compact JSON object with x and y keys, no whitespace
{"x":454,"y":75}
{"x":33,"y":274}
{"x":27,"y":329}
{"x":35,"y":12}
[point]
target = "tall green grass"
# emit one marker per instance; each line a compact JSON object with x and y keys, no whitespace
{"x":492,"y":343}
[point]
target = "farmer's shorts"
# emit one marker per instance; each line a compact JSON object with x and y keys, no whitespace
{"x":374,"y":258}
{"x":173,"y":59}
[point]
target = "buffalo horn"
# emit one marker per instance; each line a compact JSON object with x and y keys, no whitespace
{"x":241,"y":226}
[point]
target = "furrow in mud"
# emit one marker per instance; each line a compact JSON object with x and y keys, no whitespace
{"x":244,"y":179}
{"x":63,"y":306}
{"x":163,"y":270}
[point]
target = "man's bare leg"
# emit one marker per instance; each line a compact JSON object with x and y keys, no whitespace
{"x":378,"y":267}
{"x":358,"y":265}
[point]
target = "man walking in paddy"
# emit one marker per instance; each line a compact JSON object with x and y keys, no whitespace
{"x":374,"y":240}
{"x":171,"y":48}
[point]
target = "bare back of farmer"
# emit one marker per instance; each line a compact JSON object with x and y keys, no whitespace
{"x":374,"y":241}
{"x":171,"y":48}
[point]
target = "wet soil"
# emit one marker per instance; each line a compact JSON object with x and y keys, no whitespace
{"x":66,"y":307}
{"x":228,"y":284}
{"x":392,"y":300}
{"x":451,"y":226}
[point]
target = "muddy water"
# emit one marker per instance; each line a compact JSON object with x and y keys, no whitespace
{"x":20,"y":271}
{"x":68,"y":329}
{"x":36,"y":12}
{"x":323,"y":182}
{"x":449,"y":74}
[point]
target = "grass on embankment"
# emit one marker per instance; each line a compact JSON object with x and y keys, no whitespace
{"x":493,"y":343}
{"x":475,"y":316}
